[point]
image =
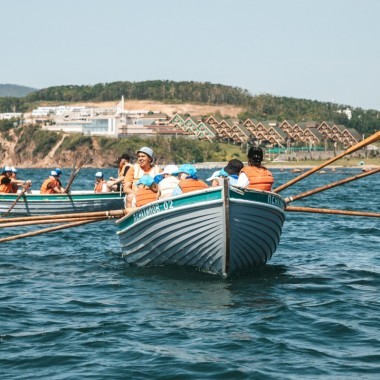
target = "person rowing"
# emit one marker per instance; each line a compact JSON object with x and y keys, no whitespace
{"x":9,"y":183}
{"x":52,"y":185}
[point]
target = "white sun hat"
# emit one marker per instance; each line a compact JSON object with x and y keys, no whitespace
{"x":215,"y":175}
{"x":170,"y":169}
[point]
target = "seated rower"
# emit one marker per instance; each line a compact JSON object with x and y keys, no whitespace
{"x":9,"y":183}
{"x":146,"y":191}
{"x":100,"y":183}
{"x":52,"y":184}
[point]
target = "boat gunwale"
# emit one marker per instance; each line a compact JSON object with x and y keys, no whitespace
{"x":164,"y":212}
{"x":176,"y":197}
{"x":80,"y":196}
{"x":277,"y":208}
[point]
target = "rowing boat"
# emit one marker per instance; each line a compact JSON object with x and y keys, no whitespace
{"x":221,"y":230}
{"x":34,"y":203}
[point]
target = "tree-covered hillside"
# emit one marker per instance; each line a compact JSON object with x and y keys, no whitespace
{"x":261,"y":107}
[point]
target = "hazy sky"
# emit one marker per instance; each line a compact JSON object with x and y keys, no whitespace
{"x":325,"y":50}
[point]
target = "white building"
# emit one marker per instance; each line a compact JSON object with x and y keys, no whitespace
{"x":10,"y":115}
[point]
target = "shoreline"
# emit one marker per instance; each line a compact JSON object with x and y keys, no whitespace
{"x":218,"y":165}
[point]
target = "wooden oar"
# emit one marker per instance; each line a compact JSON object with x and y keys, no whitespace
{"x":49,"y":221}
{"x":73,"y":174}
{"x":107,"y":214}
{"x":331,"y":211}
{"x":16,"y":200}
{"x":46,"y":230}
{"x":369,"y":140}
{"x":330,"y":186}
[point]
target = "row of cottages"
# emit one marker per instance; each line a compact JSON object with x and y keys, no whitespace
{"x":281,"y":134}
{"x":316,"y":133}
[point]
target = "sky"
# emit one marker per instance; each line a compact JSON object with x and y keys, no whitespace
{"x":325,"y":50}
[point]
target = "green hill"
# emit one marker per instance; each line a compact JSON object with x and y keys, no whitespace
{"x":261,"y":107}
{"x":15,"y":91}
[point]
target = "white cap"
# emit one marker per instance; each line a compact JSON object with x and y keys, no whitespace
{"x":7,"y":169}
{"x":14,"y":170}
{"x":53,"y":173}
{"x":99,"y":175}
{"x":170,"y":169}
{"x":215,"y":175}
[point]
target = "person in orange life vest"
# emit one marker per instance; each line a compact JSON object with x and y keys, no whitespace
{"x":146,"y":191}
{"x":8,"y":184}
{"x":168,"y":183}
{"x":144,"y":166}
{"x":52,"y":184}
{"x":188,"y":180}
{"x":100,"y":183}
{"x":123,"y":166}
{"x":255,"y":176}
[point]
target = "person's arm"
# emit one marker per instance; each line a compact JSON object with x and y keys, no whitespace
{"x":57,"y":189}
{"x":105,"y":188}
{"x":177,"y":191}
{"x":243,"y":180}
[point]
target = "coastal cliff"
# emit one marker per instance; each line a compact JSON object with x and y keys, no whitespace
{"x":32,"y":147}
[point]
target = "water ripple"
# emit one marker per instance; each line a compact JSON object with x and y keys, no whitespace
{"x":70,"y":307}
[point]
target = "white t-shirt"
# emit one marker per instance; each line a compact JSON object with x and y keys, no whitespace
{"x":166,"y":186}
{"x":243,"y":180}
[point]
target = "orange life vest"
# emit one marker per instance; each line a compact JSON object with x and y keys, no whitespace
{"x":187,"y":185}
{"x":139,"y":172}
{"x":48,"y":185}
{"x":124,"y":169}
{"x":99,"y":186}
{"x":6,"y":187}
{"x":259,"y":178}
{"x":145,"y":196}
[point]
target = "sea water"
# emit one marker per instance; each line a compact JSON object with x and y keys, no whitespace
{"x":70,"y":308}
